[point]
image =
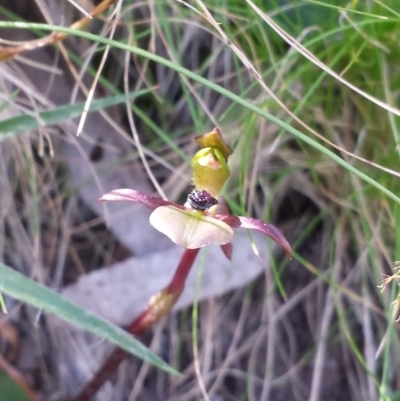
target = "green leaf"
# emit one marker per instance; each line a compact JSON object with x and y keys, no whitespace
{"x":10,"y":390}
{"x":2,"y":304}
{"x":26,"y":290}
{"x":23,"y":123}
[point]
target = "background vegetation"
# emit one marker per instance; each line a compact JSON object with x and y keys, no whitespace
{"x":306,"y":92}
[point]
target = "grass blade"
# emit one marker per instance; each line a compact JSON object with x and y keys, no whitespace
{"x":26,"y":290}
{"x":217,"y":88}
{"x":23,"y":123}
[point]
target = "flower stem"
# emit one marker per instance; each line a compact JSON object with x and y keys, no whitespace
{"x":159,"y":305}
{"x":178,"y":281}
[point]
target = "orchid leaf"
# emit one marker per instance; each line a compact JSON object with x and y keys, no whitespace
{"x":131,"y":195}
{"x":190,"y":229}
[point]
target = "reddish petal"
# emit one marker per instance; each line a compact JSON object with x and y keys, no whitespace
{"x":232,"y":221}
{"x":131,"y":195}
{"x":223,"y":207}
{"x":259,"y":225}
{"x":190,"y":229}
{"x":227,"y":249}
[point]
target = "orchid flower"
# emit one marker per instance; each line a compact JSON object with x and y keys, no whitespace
{"x":202,"y":220}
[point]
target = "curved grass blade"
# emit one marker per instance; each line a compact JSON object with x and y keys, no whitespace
{"x":217,"y":88}
{"x":26,"y":290}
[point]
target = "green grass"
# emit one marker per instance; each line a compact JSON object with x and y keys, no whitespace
{"x":347,"y":209}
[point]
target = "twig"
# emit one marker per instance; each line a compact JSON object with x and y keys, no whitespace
{"x":8,"y":52}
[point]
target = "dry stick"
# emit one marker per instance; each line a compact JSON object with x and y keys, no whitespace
{"x":8,"y":52}
{"x":158,"y":306}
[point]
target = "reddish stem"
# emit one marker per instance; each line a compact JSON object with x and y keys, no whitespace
{"x":178,"y":281}
{"x":143,"y":322}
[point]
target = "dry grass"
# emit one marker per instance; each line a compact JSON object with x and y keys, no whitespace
{"x":319,"y":339}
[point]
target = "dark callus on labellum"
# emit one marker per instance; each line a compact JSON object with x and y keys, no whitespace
{"x":201,"y":200}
